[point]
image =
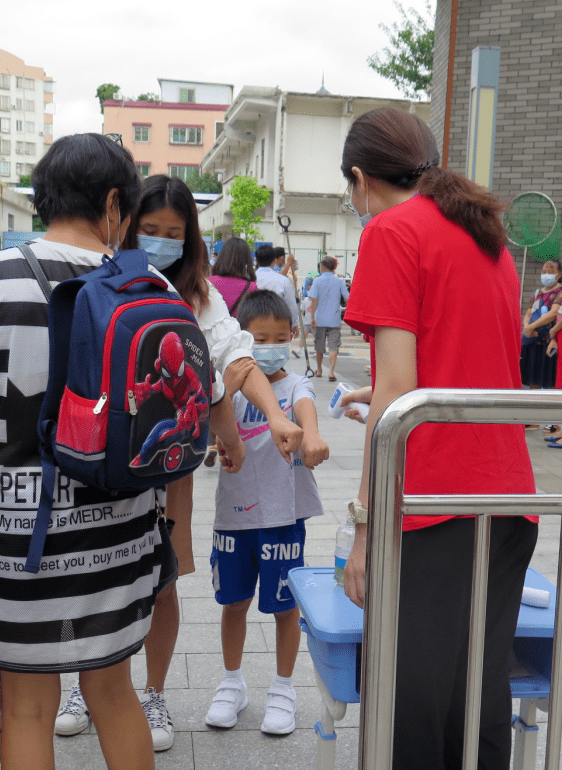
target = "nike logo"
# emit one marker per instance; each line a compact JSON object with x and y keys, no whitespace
{"x":252,"y":432}
{"x":249,"y":508}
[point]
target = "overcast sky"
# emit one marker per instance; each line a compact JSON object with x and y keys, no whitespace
{"x":131,"y":44}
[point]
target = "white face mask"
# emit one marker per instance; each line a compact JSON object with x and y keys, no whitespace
{"x":109,"y":245}
{"x":548,"y":279}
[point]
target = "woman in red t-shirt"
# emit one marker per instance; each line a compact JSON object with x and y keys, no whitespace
{"x":431,"y":259}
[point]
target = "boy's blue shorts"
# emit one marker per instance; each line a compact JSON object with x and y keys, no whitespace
{"x":239,"y":556}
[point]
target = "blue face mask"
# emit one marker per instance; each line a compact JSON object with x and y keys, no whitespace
{"x":366,"y":217}
{"x":162,"y":252}
{"x":271,"y":358}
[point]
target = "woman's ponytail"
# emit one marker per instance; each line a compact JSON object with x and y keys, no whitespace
{"x":467,"y":204}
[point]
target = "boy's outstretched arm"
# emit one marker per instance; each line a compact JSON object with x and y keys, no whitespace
{"x":231,"y":447}
{"x":286,"y":435}
{"x":314,"y":449}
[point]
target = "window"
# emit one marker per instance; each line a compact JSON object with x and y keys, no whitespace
{"x":30,"y":148}
{"x":27,"y":83}
{"x":20,"y":148}
{"x":19,"y":125}
{"x":5,"y":125}
{"x":19,"y":104}
{"x":257,"y":166}
{"x":187,"y":95}
{"x":20,"y":169}
{"x":219,"y":128}
{"x":30,"y":127}
{"x":262,"y":158}
{"x":141,"y":134}
{"x":49,"y":86}
{"x":11,"y":222}
{"x":5,"y":103}
{"x":4,"y":81}
{"x":186,"y":135}
{"x":4,"y":168}
{"x":30,"y":105}
{"x":29,"y":168}
{"x":143,"y":169}
{"x":5,"y":147}
{"x":185,"y":173}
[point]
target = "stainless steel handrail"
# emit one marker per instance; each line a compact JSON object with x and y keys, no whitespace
{"x":387,"y":505}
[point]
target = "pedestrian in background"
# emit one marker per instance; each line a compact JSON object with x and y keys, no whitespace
{"x":433,"y":246}
{"x":327,"y":293}
{"x":233,"y":273}
{"x":267,"y":278}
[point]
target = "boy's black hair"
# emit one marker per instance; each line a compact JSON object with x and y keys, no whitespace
{"x":265,"y":255}
{"x":261,"y":304}
{"x":279,"y":252}
{"x":75,"y":176}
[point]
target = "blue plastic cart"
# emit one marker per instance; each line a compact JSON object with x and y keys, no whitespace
{"x":334,"y":628}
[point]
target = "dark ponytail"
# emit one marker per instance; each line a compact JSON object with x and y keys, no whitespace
{"x":399,"y":148}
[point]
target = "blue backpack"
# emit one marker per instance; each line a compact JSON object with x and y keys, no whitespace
{"x":129,"y":391}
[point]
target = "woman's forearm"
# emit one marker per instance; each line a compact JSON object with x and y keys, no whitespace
{"x":545,"y":319}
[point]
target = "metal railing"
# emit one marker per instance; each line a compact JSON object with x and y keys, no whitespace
{"x":384,"y":538}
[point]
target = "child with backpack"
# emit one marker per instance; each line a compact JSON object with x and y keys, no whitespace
{"x":259,"y":524}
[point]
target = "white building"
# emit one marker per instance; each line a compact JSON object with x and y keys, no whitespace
{"x":292,"y":144}
{"x":16,"y":212}
{"x":26,"y":117}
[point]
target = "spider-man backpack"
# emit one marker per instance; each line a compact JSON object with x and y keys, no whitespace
{"x":129,"y":392}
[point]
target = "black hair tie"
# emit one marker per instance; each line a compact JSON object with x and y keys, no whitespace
{"x":420,"y":169}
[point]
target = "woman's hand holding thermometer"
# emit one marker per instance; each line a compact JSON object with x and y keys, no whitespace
{"x":353,"y":403}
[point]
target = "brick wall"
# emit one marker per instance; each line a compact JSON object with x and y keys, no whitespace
{"x":528,"y":153}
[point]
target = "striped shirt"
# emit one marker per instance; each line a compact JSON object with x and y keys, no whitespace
{"x":90,"y":604}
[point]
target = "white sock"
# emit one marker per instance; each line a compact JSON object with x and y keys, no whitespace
{"x":286,"y":680}
{"x":234,"y":674}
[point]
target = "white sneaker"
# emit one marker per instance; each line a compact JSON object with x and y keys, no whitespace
{"x":73,"y":717}
{"x":229,"y":699}
{"x":161,"y":725}
{"x":280,"y":710}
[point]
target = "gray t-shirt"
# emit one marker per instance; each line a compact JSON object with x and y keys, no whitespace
{"x":267,"y":492}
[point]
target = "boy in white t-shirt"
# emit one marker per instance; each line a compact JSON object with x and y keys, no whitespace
{"x":259,"y":523}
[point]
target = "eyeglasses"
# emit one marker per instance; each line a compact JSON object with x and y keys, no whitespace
{"x":117,"y":138}
{"x":345,"y":200}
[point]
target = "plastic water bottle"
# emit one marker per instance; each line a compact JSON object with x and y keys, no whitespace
{"x":344,"y":541}
{"x":335,"y":410}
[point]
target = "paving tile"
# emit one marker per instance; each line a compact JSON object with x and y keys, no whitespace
{"x":203,"y":611}
{"x":213,"y":750}
{"x":269,"y":632}
{"x":205,"y":638}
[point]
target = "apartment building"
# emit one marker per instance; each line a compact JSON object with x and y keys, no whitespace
{"x":172,"y":134}
{"x":292,"y":143}
{"x":26,"y":117}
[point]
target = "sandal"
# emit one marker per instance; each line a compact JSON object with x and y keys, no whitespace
{"x":332,"y":379}
{"x":548,"y":429}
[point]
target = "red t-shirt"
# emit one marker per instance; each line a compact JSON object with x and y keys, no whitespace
{"x":420,"y":272}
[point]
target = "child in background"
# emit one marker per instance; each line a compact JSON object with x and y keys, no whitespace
{"x":259,"y":524}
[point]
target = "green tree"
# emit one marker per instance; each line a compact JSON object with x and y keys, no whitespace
{"x":247,"y":196}
{"x":205,"y":183}
{"x":408,"y":61}
{"x":104,"y":92}
{"x":148,"y":97}
{"x":38,"y":226}
{"x":25,"y":180}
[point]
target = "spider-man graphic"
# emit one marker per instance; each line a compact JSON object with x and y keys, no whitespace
{"x":179,"y":384}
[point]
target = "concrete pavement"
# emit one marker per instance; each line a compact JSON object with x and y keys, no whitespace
{"x":197,"y":663}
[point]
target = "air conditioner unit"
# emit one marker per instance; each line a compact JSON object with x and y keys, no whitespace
{"x":14,"y":106}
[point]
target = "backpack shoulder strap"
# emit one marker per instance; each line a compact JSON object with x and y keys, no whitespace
{"x":38,"y":272}
{"x":243,"y":293}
